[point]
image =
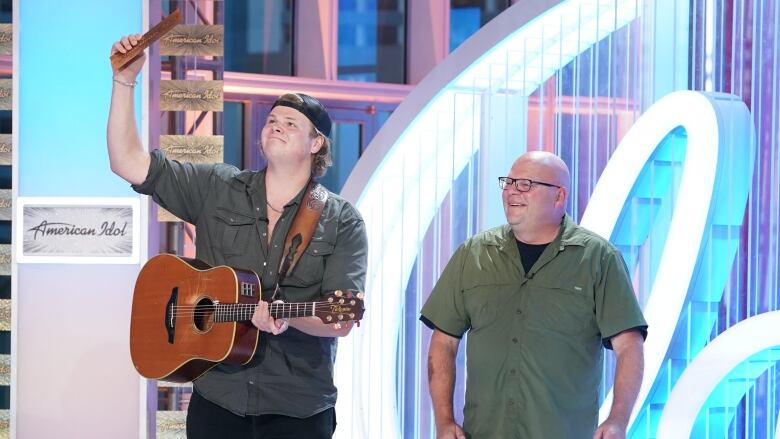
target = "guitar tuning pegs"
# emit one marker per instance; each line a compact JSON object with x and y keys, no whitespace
{"x":351,"y":315}
{"x":352,"y":302}
{"x":360,"y":295}
{"x":337,"y":325}
{"x":341,"y":317}
{"x":329,"y":318}
{"x":338,"y":293}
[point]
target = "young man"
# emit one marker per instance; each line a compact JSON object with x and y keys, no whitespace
{"x":538,"y":297}
{"x":242,"y":219}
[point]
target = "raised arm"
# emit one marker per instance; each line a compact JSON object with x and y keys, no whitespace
{"x":126,"y":154}
{"x":441,"y":382}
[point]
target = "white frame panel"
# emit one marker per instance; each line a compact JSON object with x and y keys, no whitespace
{"x":96,"y":202}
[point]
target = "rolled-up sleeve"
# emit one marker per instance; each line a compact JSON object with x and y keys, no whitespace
{"x":345,"y":269}
{"x":179,"y":187}
{"x":617,"y":309}
{"x":444,"y":310}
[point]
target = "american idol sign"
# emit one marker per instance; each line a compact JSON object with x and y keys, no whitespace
{"x":78,"y":230}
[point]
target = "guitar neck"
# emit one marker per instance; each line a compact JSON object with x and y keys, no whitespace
{"x":242,"y":312}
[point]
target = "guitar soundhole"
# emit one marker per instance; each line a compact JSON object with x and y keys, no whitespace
{"x":204,"y":312}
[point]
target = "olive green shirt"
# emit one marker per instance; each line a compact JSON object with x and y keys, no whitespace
{"x":291,"y":373}
{"x":533,"y":352}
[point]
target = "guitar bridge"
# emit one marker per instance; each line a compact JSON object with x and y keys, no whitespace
{"x":170,"y":314}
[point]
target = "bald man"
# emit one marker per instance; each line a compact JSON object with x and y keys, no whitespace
{"x":538,"y":297}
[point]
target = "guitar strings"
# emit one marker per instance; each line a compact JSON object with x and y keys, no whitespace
{"x":235,"y":308}
{"x":251,"y":305}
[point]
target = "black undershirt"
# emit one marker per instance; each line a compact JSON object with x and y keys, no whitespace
{"x":529,"y":253}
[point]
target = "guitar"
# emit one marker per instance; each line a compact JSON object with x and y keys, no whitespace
{"x":187,"y":316}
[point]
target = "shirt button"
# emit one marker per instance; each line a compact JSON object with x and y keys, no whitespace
{"x":263,"y":264}
{"x":263,"y":233}
{"x":257,"y":208}
{"x":512,"y":371}
{"x":315,"y":251}
{"x":519,"y":311}
{"x":514,"y":340}
{"x":275,"y":245}
{"x":251,"y":382}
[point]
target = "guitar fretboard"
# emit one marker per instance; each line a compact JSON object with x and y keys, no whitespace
{"x":242,"y":312}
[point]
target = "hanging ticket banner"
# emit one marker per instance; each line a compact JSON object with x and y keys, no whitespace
{"x":193,"y":40}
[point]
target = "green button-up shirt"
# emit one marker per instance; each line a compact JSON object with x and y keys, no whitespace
{"x":292,"y":373}
{"x":533,"y":352}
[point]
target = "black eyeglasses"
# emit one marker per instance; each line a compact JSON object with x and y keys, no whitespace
{"x":521,"y":184}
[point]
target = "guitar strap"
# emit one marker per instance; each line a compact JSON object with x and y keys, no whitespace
{"x":302,"y":229}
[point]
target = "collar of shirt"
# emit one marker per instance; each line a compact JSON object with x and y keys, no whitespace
{"x":567,"y":235}
{"x":254,"y":184}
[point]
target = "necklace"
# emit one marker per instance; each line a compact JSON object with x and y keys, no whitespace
{"x":272,"y":207}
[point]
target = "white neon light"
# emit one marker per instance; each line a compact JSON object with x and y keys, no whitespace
{"x":709,"y":44}
{"x":698,"y":114}
{"x":777,"y":428}
{"x":399,"y":184}
{"x":710,"y":367}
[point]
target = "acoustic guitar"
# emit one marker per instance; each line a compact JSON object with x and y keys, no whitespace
{"x":187,"y":316}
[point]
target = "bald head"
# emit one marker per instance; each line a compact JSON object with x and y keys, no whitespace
{"x":548,"y":165}
{"x":535,"y":213}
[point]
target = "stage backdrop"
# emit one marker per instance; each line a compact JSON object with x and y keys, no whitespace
{"x":666,"y":112}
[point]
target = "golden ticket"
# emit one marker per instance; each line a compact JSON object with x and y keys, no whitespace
{"x":6,"y":149}
{"x":5,"y":204}
{"x":181,"y":95}
{"x":6,"y":94}
{"x":6,"y":39}
{"x":195,"y":149}
{"x":193,"y":40}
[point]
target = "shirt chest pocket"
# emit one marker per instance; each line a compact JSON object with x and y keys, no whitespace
{"x":561,"y":307}
{"x":311,"y":266}
{"x":234,"y":231}
{"x":484,"y":303}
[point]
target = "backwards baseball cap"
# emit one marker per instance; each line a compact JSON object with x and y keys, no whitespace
{"x":309,"y":107}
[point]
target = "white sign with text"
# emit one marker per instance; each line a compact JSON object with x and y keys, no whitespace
{"x":78,"y":230}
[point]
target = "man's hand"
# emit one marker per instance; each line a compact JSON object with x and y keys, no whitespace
{"x":263,"y":321}
{"x":610,"y":430}
{"x":129,"y":71}
{"x":450,"y":431}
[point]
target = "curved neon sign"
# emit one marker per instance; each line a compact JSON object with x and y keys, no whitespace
{"x":720,"y":150}
{"x":749,"y":344}
{"x":400,"y":183}
{"x":408,"y":170}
